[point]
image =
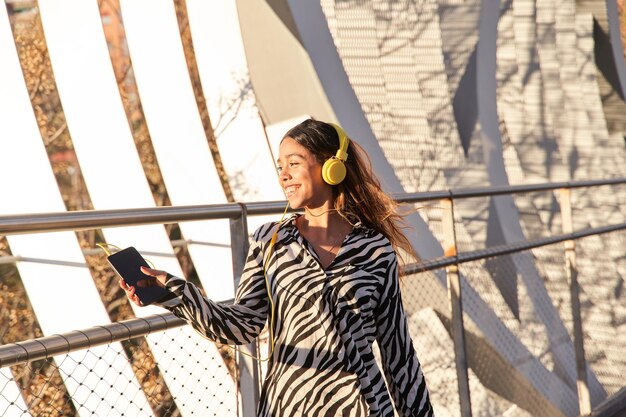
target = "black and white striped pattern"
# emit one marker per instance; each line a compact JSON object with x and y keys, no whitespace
{"x":325,"y":324}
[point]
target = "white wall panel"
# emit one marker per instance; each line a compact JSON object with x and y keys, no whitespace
{"x":231,"y":102}
{"x":177,"y":134}
{"x":53,"y":269}
{"x":115,"y":179}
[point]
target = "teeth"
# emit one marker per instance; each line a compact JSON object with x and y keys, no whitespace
{"x":291,"y":189}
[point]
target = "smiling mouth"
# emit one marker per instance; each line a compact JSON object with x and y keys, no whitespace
{"x":291,"y":189}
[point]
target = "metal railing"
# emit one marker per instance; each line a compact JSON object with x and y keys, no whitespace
{"x":237,"y":213}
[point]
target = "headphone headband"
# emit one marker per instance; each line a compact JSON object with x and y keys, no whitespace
{"x":342,"y":152}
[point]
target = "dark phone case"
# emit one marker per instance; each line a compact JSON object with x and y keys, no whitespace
{"x":126,"y":263}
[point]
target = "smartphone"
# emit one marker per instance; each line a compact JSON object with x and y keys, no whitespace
{"x":127,"y":263}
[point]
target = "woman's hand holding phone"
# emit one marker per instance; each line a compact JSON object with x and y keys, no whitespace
{"x":154,"y":278}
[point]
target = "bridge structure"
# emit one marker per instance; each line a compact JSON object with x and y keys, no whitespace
{"x":119,"y":107}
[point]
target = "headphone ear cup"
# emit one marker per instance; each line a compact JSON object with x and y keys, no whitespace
{"x":333,"y":171}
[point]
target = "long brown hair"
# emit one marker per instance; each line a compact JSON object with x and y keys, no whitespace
{"x":359,"y":197}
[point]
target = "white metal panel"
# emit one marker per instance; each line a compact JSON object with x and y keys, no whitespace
{"x":230,"y":100}
{"x":53,"y":269}
{"x":115,"y":179}
{"x":178,"y":136}
{"x":244,"y":145}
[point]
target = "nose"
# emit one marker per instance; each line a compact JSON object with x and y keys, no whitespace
{"x":284,"y":174}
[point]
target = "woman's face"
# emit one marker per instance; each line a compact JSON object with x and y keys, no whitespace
{"x":300,"y":175}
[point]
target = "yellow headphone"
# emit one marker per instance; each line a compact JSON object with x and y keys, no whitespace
{"x":334,"y":169}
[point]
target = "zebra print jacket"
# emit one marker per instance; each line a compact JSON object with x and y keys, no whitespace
{"x":326,"y":322}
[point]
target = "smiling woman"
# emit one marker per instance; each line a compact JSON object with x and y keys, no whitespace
{"x":328,"y":281}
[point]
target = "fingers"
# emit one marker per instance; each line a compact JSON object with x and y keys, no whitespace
{"x":130,"y":292}
{"x":155,"y":277}
{"x":133,"y":297}
{"x":152,"y":272}
{"x":161,"y":276}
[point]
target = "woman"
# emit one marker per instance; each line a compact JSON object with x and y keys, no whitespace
{"x":328,"y":281}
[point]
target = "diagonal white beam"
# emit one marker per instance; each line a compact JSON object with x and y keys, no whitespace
{"x":115,"y":179}
{"x":177,"y":134}
{"x":54,"y":272}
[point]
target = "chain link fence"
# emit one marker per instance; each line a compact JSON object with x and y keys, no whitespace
{"x":95,"y":381}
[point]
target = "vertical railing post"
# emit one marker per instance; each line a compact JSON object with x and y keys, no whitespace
{"x":249,"y":373}
{"x":584,"y":398}
{"x":456,"y":308}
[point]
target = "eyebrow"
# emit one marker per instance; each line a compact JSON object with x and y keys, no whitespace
{"x":290,"y":155}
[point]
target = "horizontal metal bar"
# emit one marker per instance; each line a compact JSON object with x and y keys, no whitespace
{"x":506,"y":249}
{"x":59,"y":344}
{"x":96,"y":219}
{"x":90,"y":252}
{"x":9,"y":259}
{"x":48,"y":346}
{"x":502,"y":190}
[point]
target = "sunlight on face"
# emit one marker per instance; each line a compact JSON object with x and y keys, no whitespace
{"x":300,"y":176}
